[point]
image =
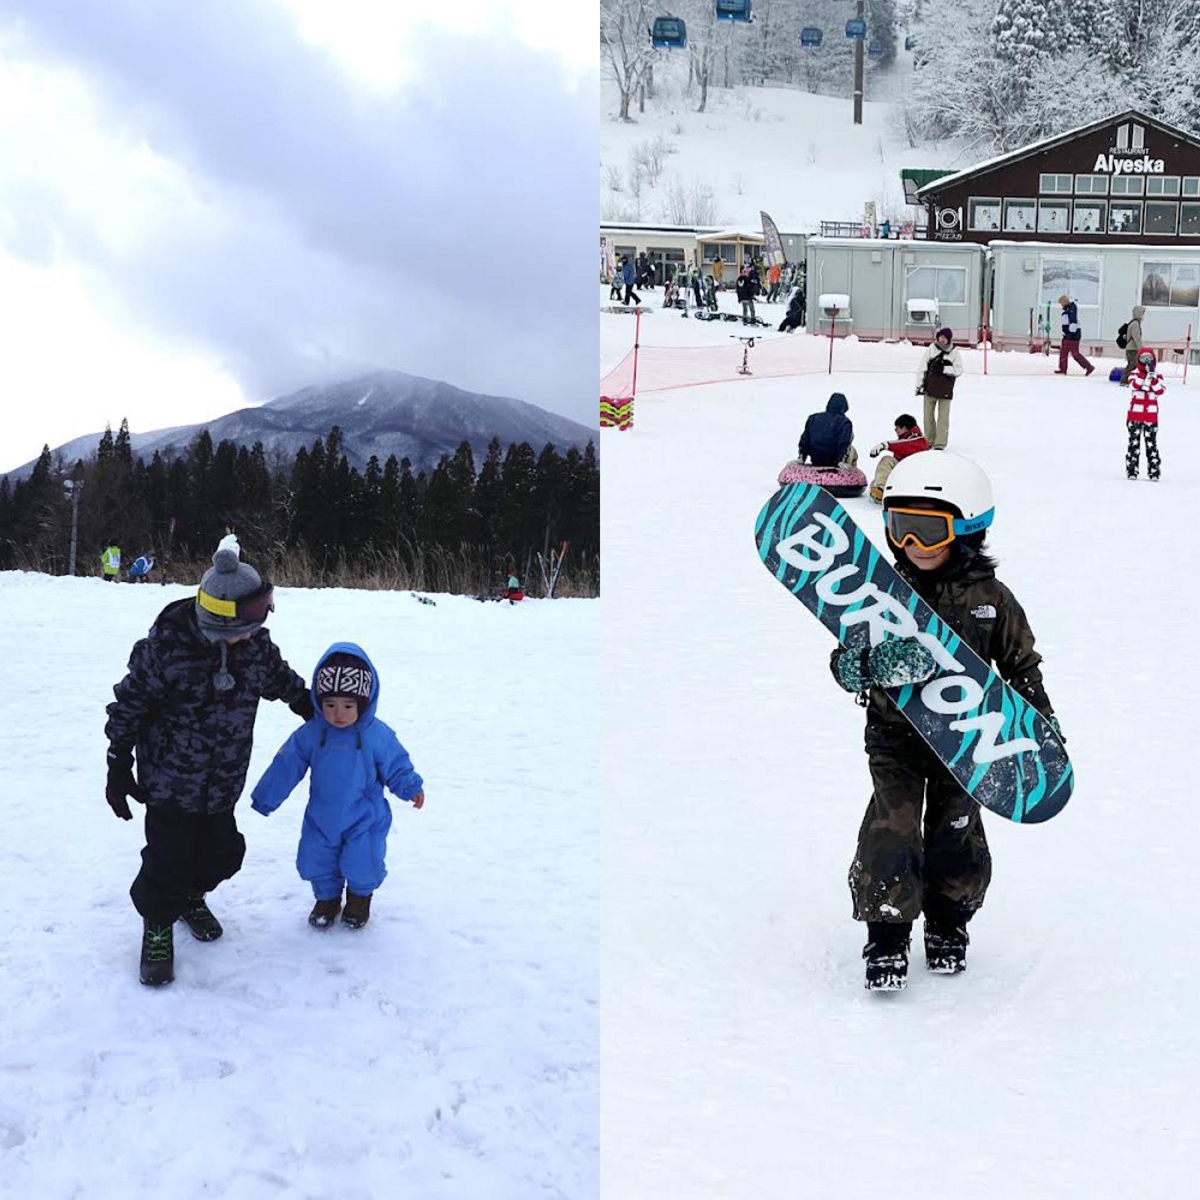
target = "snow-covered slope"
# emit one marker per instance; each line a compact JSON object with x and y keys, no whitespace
{"x":742,"y":1056}
{"x":797,"y":155}
{"x":448,"y":1050}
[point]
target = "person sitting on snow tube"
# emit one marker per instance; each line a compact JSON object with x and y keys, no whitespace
{"x":513,"y":590}
{"x":828,"y":437}
{"x":909,"y":440}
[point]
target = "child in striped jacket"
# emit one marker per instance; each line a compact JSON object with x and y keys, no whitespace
{"x":1142,"y":418}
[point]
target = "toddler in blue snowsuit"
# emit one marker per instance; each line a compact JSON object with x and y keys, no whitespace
{"x":351,"y":755}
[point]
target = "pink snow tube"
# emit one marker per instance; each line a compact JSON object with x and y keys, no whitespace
{"x":837,"y":481}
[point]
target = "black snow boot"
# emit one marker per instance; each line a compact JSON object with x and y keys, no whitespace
{"x":325,"y":912}
{"x":158,"y":954}
{"x":945,"y":946}
{"x":204,"y":926}
{"x":886,"y":953}
{"x":358,"y":910}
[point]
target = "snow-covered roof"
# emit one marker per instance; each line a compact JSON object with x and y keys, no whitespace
{"x":731,"y":235}
{"x":989,"y":164}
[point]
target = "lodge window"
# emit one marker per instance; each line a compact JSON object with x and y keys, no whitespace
{"x":1162,"y":216}
{"x":1092,"y":185}
{"x":1162,"y":185}
{"x":1055,"y":185}
{"x":1054,"y":216}
{"x":983,"y":215}
{"x":1088,"y":217}
{"x":946,"y":285}
{"x":725,"y":251}
{"x":1189,"y":219}
{"x":1019,"y":216}
{"x":629,"y":252}
{"x":1191,"y":185}
{"x":1127,"y":185}
{"x":662,"y":257}
{"x":1125,"y":217}
{"x":1170,"y":285}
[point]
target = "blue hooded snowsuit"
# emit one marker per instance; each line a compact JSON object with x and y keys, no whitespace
{"x":827,"y":436}
{"x":344,"y":836}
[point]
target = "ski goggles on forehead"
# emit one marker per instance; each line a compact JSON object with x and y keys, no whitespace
{"x":246,"y":609}
{"x":930,"y":529}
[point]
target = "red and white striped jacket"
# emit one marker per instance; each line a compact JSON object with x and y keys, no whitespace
{"x":1143,"y":404}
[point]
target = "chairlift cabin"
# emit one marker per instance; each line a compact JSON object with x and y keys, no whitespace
{"x":810,"y":35}
{"x":668,"y":33}
{"x":735,"y":10}
{"x":874,"y":49}
{"x":910,"y":42}
{"x":856,"y":28}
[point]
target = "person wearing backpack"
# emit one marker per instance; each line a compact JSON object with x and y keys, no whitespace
{"x":940,"y":366}
{"x":1132,"y":344}
{"x":1071,"y":335}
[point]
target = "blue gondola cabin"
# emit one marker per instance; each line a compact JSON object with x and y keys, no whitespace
{"x":669,"y":33}
{"x":856,"y":28}
{"x":810,"y":36}
{"x":735,"y":10}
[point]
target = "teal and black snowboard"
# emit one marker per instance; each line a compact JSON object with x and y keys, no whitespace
{"x":998,"y":746}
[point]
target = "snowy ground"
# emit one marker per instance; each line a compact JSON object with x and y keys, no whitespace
{"x":450,"y":1049}
{"x":798,"y":155}
{"x":742,"y":1056}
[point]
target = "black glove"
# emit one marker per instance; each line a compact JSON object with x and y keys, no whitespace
{"x":120,"y":782}
{"x":302,"y":706}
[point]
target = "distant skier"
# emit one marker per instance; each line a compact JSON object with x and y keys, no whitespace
{"x":746,"y":287}
{"x":794,"y":317}
{"x":110,"y":561}
{"x":941,"y":365}
{"x":1133,"y":342}
{"x":937,"y":508}
{"x":1071,"y":336}
{"x":774,"y":275}
{"x":828,"y":437}
{"x":1142,"y":418}
{"x":140,"y":568}
{"x":188,"y":706}
{"x":909,"y":440}
{"x":350,"y":756}
{"x":628,"y":276}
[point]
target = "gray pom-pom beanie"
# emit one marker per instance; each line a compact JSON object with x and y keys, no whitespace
{"x":228,"y":579}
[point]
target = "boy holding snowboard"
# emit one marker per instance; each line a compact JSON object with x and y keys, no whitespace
{"x":937,"y":509}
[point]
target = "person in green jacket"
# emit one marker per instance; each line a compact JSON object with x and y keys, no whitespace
{"x":110,"y":561}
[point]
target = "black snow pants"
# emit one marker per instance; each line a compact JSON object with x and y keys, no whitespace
{"x":1138,"y":430}
{"x":186,"y":855}
{"x":901,"y":869}
{"x":631,"y":295}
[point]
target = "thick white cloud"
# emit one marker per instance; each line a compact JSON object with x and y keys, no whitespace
{"x":217,"y":188}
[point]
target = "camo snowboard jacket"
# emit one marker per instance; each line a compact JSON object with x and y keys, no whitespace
{"x":193,"y":744}
{"x":987,"y":616}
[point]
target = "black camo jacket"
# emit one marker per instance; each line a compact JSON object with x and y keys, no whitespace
{"x":987,"y":616}
{"x":193,"y":744}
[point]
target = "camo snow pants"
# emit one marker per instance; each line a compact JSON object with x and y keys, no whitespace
{"x":1138,"y":430}
{"x":904,"y":867}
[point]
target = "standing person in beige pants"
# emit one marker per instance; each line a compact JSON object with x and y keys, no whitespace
{"x":940,"y":366}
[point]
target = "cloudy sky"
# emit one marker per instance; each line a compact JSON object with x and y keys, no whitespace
{"x":204,"y":206}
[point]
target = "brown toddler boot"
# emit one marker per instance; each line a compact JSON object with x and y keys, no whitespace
{"x":325,"y":912}
{"x":358,"y":910}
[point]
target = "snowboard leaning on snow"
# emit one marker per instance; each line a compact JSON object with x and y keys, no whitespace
{"x":1001,"y":750}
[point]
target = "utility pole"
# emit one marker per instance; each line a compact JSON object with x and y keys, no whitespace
{"x":73,"y":488}
{"x":860,"y":10}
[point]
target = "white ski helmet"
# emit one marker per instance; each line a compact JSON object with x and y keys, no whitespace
{"x":948,"y":478}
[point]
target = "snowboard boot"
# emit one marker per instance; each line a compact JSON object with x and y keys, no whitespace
{"x":325,"y":912}
{"x":945,"y":946}
{"x":158,"y":954}
{"x":358,"y":910}
{"x":204,"y":926}
{"x":876,"y":493}
{"x":886,"y":953}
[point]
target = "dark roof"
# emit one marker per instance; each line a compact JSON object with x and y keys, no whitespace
{"x":1130,"y":114}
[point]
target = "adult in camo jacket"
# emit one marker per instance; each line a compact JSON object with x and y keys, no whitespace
{"x":187,"y":707}
{"x":896,"y":874}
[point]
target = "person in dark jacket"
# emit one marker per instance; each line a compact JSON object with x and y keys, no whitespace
{"x":747,"y":286}
{"x":187,"y":707}
{"x":794,"y":318}
{"x":942,"y":868}
{"x":628,"y":276}
{"x":1071,"y":336}
{"x":352,"y":756}
{"x":828,"y":437}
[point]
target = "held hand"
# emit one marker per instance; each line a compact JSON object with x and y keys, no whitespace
{"x":120,"y":783}
{"x":302,"y":706}
{"x":418,"y":801}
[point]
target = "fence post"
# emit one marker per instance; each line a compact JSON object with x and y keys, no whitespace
{"x":1187,"y":351}
{"x":986,"y":334}
{"x":832,"y":323}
